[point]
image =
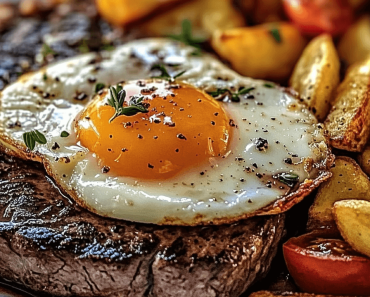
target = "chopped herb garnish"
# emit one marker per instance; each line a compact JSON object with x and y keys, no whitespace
{"x":45,"y":77}
{"x":234,"y":96}
{"x":117,"y":99}
{"x":84,"y":47}
{"x":164,"y":73}
{"x":186,"y":37}
{"x":47,"y":50}
{"x":30,"y":138}
{"x":276,"y":34}
{"x":290,"y":179}
{"x":268,"y":85}
{"x":64,"y":134}
{"x":99,"y":86}
{"x":108,"y":47}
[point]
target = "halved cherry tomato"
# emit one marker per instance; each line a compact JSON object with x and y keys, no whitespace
{"x":322,"y":264}
{"x":314,"y":17}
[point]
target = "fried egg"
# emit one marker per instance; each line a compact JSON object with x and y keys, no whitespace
{"x":190,"y":159}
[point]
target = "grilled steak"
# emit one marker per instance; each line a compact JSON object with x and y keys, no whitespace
{"x":50,"y":244}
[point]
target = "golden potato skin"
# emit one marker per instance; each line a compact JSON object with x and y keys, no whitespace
{"x":349,"y":119}
{"x":354,"y":46}
{"x":364,"y":159}
{"x":353,"y":221}
{"x":316,"y":75}
{"x":348,"y":182}
{"x":206,"y":16}
{"x":123,"y":12}
{"x":254,"y":52}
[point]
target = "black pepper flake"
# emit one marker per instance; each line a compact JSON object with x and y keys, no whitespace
{"x":140,"y":136}
{"x":249,"y":201}
{"x":124,"y":150}
{"x":105,"y":169}
{"x":141,"y":83}
{"x":288,"y":161}
{"x":213,"y":123}
{"x":45,"y":95}
{"x":109,"y":150}
{"x":150,"y":166}
{"x":247,"y":169}
{"x":181,"y":109}
{"x":232,"y":123}
{"x":239,"y":159}
{"x":91,"y":80}
{"x":261,"y":144}
{"x":242,"y":180}
{"x":215,"y":114}
{"x":259,"y":103}
{"x":57,"y":79}
{"x":67,"y":160}
{"x":155,"y":137}
{"x":294,"y":155}
{"x":273,"y":119}
{"x":176,"y":150}
{"x":255,"y":165}
{"x":55,"y":146}
{"x":259,"y":175}
{"x":250,"y":96}
{"x":181,"y":136}
{"x":202,"y":173}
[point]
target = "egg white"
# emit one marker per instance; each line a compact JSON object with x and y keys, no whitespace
{"x":231,"y":188}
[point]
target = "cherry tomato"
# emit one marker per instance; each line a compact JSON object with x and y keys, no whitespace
{"x":322,"y":264}
{"x":314,"y":17}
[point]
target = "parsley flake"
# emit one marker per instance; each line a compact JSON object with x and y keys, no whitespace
{"x":290,"y":179}
{"x":234,"y":96}
{"x":276,"y":34}
{"x":64,"y":134}
{"x":30,"y":138}
{"x":98,"y":87}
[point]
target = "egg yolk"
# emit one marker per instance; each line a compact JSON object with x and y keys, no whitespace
{"x":182,"y":128}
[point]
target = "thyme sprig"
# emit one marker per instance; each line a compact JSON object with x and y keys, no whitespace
{"x":116,"y":100}
{"x":235,"y":97}
{"x":186,"y":36}
{"x":289,"y":178}
{"x":30,"y":138}
{"x":164,"y":73}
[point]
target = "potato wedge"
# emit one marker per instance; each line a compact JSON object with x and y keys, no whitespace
{"x":348,"y":182}
{"x":123,"y":12}
{"x":267,"y":51}
{"x":364,"y":159}
{"x":354,"y":46}
{"x":206,"y":16}
{"x":316,"y":75}
{"x":348,"y":122}
{"x":353,"y":221}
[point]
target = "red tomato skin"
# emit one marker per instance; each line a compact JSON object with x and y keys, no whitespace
{"x":327,"y":274}
{"x":314,"y":17}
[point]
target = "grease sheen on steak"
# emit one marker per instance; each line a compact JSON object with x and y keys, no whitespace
{"x":50,"y":244}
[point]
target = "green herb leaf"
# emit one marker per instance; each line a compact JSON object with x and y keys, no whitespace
{"x":276,"y":34}
{"x":164,"y":73}
{"x":47,"y":50}
{"x":108,"y":47}
{"x":270,"y":86}
{"x":186,"y":36}
{"x":234,"y":96}
{"x":84,"y":47}
{"x":30,"y":138}
{"x":290,"y":179}
{"x":45,"y":77}
{"x":64,"y":134}
{"x":99,"y":86}
{"x":245,"y":90}
{"x":116,"y":100}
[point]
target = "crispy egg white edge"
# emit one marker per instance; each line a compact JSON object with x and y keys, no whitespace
{"x":51,"y":108}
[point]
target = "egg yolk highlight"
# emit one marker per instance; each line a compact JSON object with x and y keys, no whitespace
{"x":184,"y":127}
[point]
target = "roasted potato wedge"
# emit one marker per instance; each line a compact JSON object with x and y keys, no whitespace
{"x":353,"y":221}
{"x":354,"y":46}
{"x":364,"y":159}
{"x":267,"y":51}
{"x":206,"y":16}
{"x":316,"y":75}
{"x":123,"y":12}
{"x":348,"y":182}
{"x":348,"y":122}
